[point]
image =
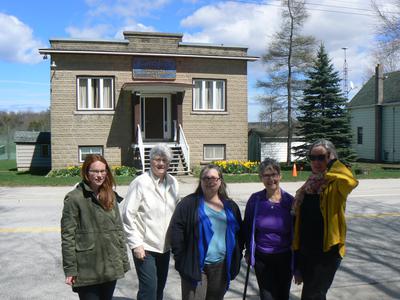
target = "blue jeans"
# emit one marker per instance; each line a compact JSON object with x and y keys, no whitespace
{"x":152,"y":273}
{"x":103,"y":291}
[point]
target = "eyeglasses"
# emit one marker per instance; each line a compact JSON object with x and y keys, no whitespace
{"x":161,"y":160}
{"x":102,"y":172}
{"x":211,"y":179}
{"x":320,"y":157}
{"x":270,"y":176}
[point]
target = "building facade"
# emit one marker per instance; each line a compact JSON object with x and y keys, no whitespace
{"x":375,"y":118}
{"x":120,"y":97}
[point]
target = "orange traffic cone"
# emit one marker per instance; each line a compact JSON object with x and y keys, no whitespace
{"x":294,"y":171}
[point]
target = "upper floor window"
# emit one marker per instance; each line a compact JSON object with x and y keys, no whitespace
{"x":95,"y":93}
{"x":209,"y":95}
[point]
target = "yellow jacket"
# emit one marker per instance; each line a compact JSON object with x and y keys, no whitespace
{"x":332,"y":204}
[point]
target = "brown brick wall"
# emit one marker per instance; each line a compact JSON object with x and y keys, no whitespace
{"x":70,"y":129}
{"x":229,"y":128}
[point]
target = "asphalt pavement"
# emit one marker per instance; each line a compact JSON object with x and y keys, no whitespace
{"x":30,"y":254}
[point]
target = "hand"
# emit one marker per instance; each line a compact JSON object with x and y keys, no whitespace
{"x":70,"y":280}
{"x":139,"y":252}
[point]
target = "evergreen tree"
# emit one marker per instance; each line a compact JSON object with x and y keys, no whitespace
{"x":323,"y":111}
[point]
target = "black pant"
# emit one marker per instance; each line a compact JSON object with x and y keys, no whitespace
{"x":103,"y":291}
{"x":274,"y":275}
{"x":318,"y":272}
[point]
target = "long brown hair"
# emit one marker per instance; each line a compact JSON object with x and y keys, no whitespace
{"x":106,"y":193}
{"x":222,"y":193}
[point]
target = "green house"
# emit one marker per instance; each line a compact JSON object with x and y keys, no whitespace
{"x":375,"y":118}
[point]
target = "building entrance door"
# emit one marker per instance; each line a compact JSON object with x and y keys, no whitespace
{"x":156,"y":113}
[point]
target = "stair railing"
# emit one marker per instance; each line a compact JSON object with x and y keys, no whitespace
{"x":140,"y":146}
{"x":175,"y":131}
{"x":184,"y":146}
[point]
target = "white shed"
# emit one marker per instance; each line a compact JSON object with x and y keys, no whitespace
{"x":32,"y":150}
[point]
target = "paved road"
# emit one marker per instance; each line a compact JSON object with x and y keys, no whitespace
{"x":30,"y":260}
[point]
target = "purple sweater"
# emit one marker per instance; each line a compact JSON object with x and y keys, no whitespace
{"x":267,"y":225}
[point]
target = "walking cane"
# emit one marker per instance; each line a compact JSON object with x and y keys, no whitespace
{"x":246,"y":281}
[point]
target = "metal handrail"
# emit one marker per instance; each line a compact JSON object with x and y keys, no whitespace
{"x":184,"y":146}
{"x":175,"y":131}
{"x":140,"y":145}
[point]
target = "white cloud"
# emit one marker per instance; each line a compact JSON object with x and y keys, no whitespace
{"x":352,"y":31}
{"x":17,"y":43}
{"x":115,"y":12}
{"x":123,"y":8}
{"x":133,"y":27}
{"x":95,"y":32}
{"x":252,"y":25}
{"x":233,"y":23}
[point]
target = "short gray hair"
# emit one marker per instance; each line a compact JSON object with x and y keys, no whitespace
{"x":161,"y":150}
{"x":328,"y":145}
{"x":269,"y":163}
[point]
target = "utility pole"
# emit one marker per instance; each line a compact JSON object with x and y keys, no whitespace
{"x":345,"y":75}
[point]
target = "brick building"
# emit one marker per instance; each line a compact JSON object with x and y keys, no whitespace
{"x":120,"y":97}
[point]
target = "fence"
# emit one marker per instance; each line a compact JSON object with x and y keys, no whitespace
{"x":7,"y":148}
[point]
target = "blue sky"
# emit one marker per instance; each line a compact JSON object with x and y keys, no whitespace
{"x":27,"y":25}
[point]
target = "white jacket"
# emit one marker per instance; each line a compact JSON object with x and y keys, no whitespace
{"x":147,"y":211}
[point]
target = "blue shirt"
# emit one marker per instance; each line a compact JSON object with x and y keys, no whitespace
{"x":217,"y":246}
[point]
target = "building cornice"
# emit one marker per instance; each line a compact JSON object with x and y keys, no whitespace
{"x":54,"y":51}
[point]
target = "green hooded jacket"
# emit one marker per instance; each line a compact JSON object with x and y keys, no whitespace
{"x":92,"y":239}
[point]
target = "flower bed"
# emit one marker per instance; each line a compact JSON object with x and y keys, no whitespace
{"x":76,"y":171}
{"x":237,"y":166}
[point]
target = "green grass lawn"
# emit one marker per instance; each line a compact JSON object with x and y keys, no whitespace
{"x":10,"y":177}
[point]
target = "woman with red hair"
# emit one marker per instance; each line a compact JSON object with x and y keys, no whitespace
{"x":93,"y":242}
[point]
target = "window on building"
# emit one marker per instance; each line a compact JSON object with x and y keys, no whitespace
{"x":45,"y":150}
{"x":209,"y":95}
{"x":85,"y":150}
{"x":359,"y":135}
{"x":214,"y":152}
{"x":95,"y":93}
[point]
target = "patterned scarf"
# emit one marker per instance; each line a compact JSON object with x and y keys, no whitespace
{"x":314,"y":185}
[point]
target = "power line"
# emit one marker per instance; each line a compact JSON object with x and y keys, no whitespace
{"x":346,"y":9}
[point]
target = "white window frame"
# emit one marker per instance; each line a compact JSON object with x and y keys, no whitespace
{"x":214,"y":157}
{"x":202,"y":102}
{"x":89,"y":93}
{"x":91,"y":150}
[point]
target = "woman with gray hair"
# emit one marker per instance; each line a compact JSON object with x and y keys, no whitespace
{"x":149,"y":205}
{"x":268,"y":234}
{"x":320,"y":227}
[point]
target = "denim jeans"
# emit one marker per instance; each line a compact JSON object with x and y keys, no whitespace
{"x":152,"y":273}
{"x":103,"y":291}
